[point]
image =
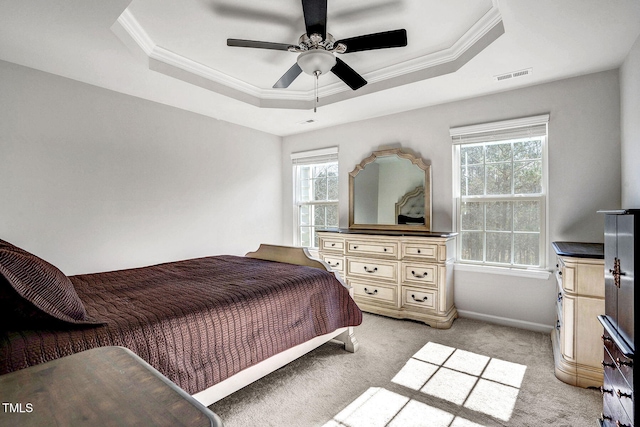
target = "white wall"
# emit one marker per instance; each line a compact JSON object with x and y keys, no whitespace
{"x":584,"y":174}
{"x":630,"y":124}
{"x":93,"y":180}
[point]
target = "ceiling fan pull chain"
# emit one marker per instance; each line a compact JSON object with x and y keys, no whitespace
{"x":316,"y":98}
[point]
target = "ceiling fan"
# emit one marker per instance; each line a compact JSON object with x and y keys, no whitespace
{"x":317,"y":48}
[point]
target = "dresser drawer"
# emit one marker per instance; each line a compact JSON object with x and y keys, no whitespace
{"x":565,"y":275}
{"x":386,"y":249}
{"x":372,"y":269}
{"x":617,"y":403}
{"x":612,"y":413}
{"x":328,"y":244}
{"x":618,"y":381}
{"x":418,"y":298}
{"x":335,"y":262}
{"x":420,"y":250}
{"x":424,"y":274}
{"x":378,"y":293}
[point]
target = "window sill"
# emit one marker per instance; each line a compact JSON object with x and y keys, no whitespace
{"x":505,"y":271}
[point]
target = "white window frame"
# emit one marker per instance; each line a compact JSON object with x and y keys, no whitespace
{"x":503,"y":131}
{"x":323,"y":155}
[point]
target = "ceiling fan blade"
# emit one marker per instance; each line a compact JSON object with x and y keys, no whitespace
{"x":348,"y":75}
{"x":315,"y":16}
{"x":257,"y":44}
{"x":386,"y":39}
{"x":288,"y":77}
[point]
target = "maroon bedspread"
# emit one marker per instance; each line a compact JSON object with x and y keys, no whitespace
{"x":197,"y":321}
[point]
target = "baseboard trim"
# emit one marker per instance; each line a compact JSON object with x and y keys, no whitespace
{"x":505,"y":321}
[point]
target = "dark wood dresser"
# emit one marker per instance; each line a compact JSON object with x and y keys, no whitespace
{"x":104,"y":386}
{"x":621,"y":253}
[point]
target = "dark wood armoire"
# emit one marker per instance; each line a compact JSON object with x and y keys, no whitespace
{"x":621,"y":252}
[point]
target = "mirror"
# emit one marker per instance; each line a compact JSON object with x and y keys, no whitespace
{"x":390,"y":190}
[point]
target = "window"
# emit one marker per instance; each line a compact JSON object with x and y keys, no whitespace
{"x":316,"y":194}
{"x":500,"y":190}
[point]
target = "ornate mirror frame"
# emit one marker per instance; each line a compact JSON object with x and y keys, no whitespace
{"x":419,"y":162}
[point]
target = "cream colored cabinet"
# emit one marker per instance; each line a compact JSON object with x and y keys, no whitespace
{"x":576,"y":339}
{"x":407,"y":276}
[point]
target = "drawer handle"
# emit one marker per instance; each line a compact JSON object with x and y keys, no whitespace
{"x":622,"y":394}
{"x":558,"y":325}
{"x":623,"y":363}
{"x":418,"y":276}
{"x":606,"y":338}
{"x":559,"y":273}
{"x":370,"y":271}
{"x":366,"y":291}
{"x":559,"y":296}
{"x":334,"y":265}
{"x":608,"y":365}
{"x":619,"y":424}
{"x":604,"y":390}
{"x":384,"y":249}
{"x":354,"y":247}
{"x":419,"y":251}
{"x":333,"y":244}
{"x":425,"y":299}
{"x":616,"y":272}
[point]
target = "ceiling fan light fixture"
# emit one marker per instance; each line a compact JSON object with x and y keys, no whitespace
{"x":316,"y":60}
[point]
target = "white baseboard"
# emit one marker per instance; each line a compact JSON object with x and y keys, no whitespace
{"x":505,"y":321}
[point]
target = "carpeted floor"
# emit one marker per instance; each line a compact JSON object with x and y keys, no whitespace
{"x":460,"y":389}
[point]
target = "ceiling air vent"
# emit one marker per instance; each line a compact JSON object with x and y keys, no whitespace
{"x":307,"y":122}
{"x":513,"y":75}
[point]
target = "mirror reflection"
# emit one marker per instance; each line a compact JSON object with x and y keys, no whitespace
{"x":388,"y":191}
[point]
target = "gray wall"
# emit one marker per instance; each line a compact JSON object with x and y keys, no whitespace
{"x":584,"y":165}
{"x":94,"y":180}
{"x":630,"y":124}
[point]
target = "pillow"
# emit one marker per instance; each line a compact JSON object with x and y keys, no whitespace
{"x":33,"y":291}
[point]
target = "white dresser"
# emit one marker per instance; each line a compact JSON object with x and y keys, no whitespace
{"x":576,"y":339}
{"x":401,"y":275}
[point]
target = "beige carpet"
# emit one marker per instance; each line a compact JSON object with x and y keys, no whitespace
{"x":406,"y":373}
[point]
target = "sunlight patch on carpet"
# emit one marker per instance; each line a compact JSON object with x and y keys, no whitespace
{"x":493,"y":399}
{"x":450,"y":385}
{"x":416,"y":414}
{"x":374,"y":408}
{"x":473,"y":381}
{"x":414,"y":374}
{"x":504,"y":372}
{"x":434,"y":353}
{"x":467,"y":362}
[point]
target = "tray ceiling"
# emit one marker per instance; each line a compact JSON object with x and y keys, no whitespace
{"x":174,"y":53}
{"x":187,"y":41}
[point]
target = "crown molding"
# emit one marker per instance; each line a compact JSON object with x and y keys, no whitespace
{"x":480,"y":29}
{"x":131,"y":25}
{"x":177,"y":66}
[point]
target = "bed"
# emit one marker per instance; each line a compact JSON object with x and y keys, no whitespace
{"x":211,"y":325}
{"x":410,"y":207}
